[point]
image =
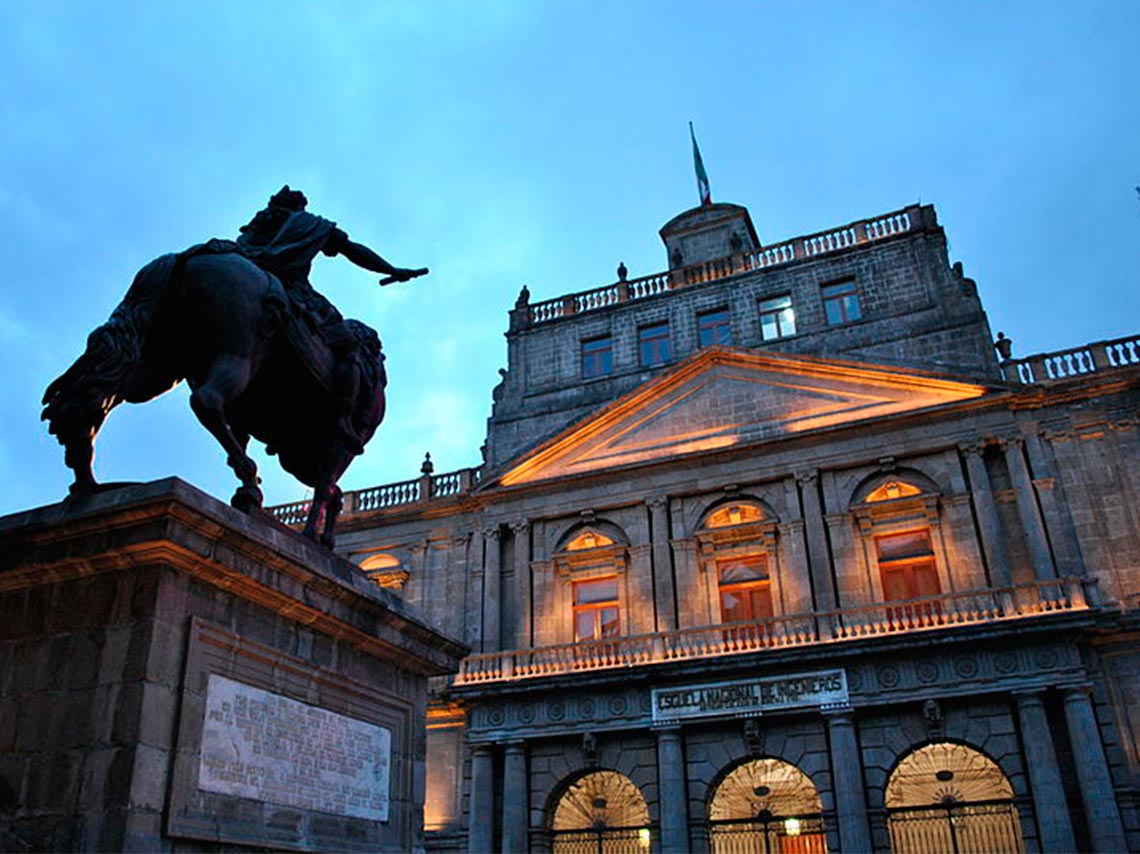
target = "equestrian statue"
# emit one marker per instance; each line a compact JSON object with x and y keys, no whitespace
{"x":265,"y":356}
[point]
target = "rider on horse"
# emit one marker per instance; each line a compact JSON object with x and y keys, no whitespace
{"x":283,"y":239}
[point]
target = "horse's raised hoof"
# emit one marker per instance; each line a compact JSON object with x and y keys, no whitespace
{"x":247,"y":499}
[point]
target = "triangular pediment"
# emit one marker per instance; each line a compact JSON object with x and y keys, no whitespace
{"x":723,"y":398}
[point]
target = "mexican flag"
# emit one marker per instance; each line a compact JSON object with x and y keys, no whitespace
{"x":702,"y":176}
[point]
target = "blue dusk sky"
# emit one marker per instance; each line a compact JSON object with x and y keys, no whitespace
{"x":538,"y":143}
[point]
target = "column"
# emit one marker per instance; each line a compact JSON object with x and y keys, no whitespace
{"x":492,"y":582}
{"x":515,"y":786}
{"x":480,"y":821}
{"x":847,"y":774}
{"x":671,"y":788}
{"x":663,"y":588}
{"x":1044,"y":775}
{"x":525,"y":613}
{"x":993,"y":545}
{"x":1027,"y":510}
{"x":818,"y":559}
{"x":1058,"y":520}
{"x":1105,"y":829}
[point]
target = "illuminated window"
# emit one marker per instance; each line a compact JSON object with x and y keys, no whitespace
{"x":745,"y":591}
{"x":601,"y":813}
{"x":777,"y":320}
{"x":713,"y":328}
{"x":597,"y":357}
{"x":950,"y":797}
{"x":840,"y":303}
{"x":767,"y":805}
{"x":386,"y":570}
{"x":596,"y":609}
{"x":906,"y":562}
{"x":653,"y":344}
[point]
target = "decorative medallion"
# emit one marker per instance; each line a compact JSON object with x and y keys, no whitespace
{"x":526,"y":714}
{"x":1005,"y":662}
{"x":888,"y":676}
{"x":617,"y":705}
{"x":1045,"y":658}
{"x":496,"y":716}
{"x":586,"y":708}
{"x":966,"y":666}
{"x":926,"y":671}
{"x":555,"y":710}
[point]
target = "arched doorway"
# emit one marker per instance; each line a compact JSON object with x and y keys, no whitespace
{"x":601,"y":813}
{"x":947,"y":797}
{"x":766,"y":806}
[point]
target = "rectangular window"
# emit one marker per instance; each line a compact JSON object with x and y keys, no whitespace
{"x":840,"y":303}
{"x":713,"y":328}
{"x":596,"y":609}
{"x":906,"y":566}
{"x":597,"y":357}
{"x":653,"y":344}
{"x":777,"y":320}
{"x":745,"y":592}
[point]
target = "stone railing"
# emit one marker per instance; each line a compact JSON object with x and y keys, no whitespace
{"x":1091,"y":358}
{"x":930,"y":612}
{"x":863,"y":231}
{"x":423,"y":488}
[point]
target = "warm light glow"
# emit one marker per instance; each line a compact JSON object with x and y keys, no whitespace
{"x":734,"y":514}
{"x":792,"y":826}
{"x":643,"y":837}
{"x":380,"y":561}
{"x":891,"y":490}
{"x":588,"y":540}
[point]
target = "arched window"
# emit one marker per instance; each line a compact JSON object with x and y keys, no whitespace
{"x":947,"y":797}
{"x":386,"y":570}
{"x":602,"y":812}
{"x":591,"y":559}
{"x":737,"y":553}
{"x":766,"y":806}
{"x":898,"y":516}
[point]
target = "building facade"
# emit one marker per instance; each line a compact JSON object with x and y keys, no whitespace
{"x":773,"y":552}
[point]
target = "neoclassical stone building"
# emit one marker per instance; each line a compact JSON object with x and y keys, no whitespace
{"x":773,"y":552}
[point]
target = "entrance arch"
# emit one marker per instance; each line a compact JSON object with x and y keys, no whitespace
{"x":947,"y":797}
{"x":766,"y":806}
{"x":602,"y":812}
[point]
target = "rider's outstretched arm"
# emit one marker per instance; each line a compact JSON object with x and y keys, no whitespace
{"x":364,"y":257}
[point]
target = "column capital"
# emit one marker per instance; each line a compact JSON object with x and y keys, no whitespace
{"x":1045,"y":482}
{"x":667,"y":730}
{"x":520,"y":526}
{"x":1077,"y":693}
{"x":972,"y":447}
{"x":492,"y":531}
{"x":805,"y":477}
{"x":1029,"y":696}
{"x":656,"y":502}
{"x":515,"y":747}
{"x":838,"y":714}
{"x":1010,"y":442}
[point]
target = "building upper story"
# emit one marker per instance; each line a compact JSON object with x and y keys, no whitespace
{"x":880,"y":290}
{"x":803,"y":467}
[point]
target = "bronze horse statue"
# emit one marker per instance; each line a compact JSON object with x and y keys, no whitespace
{"x":265,"y":357}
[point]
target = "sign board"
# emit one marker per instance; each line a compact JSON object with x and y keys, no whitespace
{"x":263,"y":746}
{"x":750,"y":696}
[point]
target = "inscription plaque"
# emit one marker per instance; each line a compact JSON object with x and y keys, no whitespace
{"x":263,"y":746}
{"x":750,"y":696}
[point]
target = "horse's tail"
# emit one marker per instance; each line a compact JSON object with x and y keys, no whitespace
{"x":78,"y":400}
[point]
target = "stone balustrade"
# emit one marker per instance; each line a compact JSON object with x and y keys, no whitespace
{"x":388,"y":495}
{"x":1074,"y":362}
{"x":946,"y":610}
{"x":813,"y":245}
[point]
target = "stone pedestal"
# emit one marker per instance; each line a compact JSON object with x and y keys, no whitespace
{"x":176,"y":674}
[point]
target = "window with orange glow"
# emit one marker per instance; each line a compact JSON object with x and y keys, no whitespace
{"x":596,"y":609}
{"x":745,"y":591}
{"x":906,"y":564}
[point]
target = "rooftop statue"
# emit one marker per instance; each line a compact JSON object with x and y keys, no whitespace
{"x":265,"y":356}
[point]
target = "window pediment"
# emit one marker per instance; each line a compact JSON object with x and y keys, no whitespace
{"x":596,"y":561}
